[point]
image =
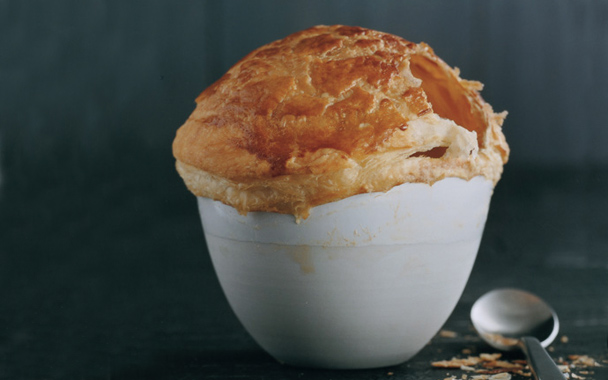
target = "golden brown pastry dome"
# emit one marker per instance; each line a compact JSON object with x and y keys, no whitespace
{"x":334,"y":111}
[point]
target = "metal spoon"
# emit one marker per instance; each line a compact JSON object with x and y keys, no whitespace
{"x":509,"y":319}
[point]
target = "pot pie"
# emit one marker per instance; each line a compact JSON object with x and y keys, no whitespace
{"x":331,"y":112}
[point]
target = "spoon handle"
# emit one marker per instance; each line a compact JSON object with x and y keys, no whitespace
{"x":543,"y":367}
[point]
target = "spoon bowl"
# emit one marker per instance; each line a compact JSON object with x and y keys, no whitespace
{"x":503,"y":316}
{"x":509,"y":319}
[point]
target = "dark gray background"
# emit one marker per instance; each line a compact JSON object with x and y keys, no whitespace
{"x":103,"y":269}
{"x":90,"y":82}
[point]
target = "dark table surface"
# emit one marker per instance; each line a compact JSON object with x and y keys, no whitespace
{"x":107,"y":277}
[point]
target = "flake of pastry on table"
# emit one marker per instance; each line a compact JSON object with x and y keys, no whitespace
{"x":492,"y":366}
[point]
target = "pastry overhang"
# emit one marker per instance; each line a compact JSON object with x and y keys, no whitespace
{"x":334,"y":111}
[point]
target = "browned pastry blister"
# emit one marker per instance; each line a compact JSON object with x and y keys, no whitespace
{"x":334,"y":111}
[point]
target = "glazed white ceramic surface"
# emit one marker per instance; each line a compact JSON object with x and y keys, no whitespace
{"x":363,"y":282}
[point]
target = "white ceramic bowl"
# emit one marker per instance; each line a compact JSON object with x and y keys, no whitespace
{"x":363,"y":282}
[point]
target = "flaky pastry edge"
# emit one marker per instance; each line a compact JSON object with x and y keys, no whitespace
{"x":297,"y":194}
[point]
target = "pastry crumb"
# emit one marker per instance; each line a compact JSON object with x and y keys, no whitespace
{"x":583,"y":361}
{"x":448,"y":334}
{"x":498,"y":376}
{"x":491,"y":367}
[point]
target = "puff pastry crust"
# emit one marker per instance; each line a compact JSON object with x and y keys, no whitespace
{"x":334,"y":111}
